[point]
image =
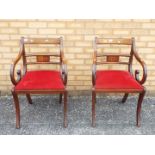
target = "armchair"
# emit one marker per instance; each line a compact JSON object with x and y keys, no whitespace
{"x":117,"y":81}
{"x":39,"y":81}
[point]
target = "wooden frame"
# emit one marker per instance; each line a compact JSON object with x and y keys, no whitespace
{"x":115,"y":60}
{"x":42,"y":59}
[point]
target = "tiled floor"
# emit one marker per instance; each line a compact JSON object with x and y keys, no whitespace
{"x":45,"y":116}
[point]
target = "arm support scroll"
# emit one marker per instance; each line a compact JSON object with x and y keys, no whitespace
{"x":12,"y":70}
{"x":142,"y":63}
{"x":94,"y":70}
{"x":64,"y":73}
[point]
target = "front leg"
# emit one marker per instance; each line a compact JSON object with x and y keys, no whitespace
{"x":17,"y":108}
{"x":139,"y":105}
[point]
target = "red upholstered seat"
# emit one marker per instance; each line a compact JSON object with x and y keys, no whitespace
{"x":116,"y":79}
{"x":38,"y":80}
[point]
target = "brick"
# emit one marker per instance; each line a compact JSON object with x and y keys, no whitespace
{"x":2,"y":78}
{"x":145,"y":50}
{"x":56,"y":24}
{"x":83,"y":44}
{"x":5,"y":49}
{"x":147,"y":38}
{"x":142,"y":20}
{"x":28,"y":31}
{"x":120,"y":32}
{"x":152,"y":32}
{"x":86,"y":67}
{"x":151,"y":44}
{"x":84,"y":56}
{"x":84,"y":31}
{"x":3,"y":24}
{"x":96,"y":25}
{"x":103,"y":31}
{"x":74,"y":37}
{"x":73,"y":83}
{"x":88,"y":61}
{"x":89,"y":50}
{"x":69,"y":44}
{"x":4,"y":37}
{"x":7,"y":66}
{"x":112,"y":25}
{"x":47,"y":31}
{"x":75,"y":72}
{"x":151,"y":56}
{"x":8,"y":31}
{"x":18,"y":24}
{"x":74,"y":50}
{"x":131,"y":25}
{"x":148,"y":25}
{"x":69,"y":56}
{"x":83,"y":78}
{"x":139,"y":32}
{"x":10,"y":56}
{"x":75,"y":25}
{"x":77,"y":61}
{"x":72,"y":78}
{"x":65,"y":31}
{"x":88,"y":73}
{"x":89,"y":38}
{"x":15,"y":37}
{"x":87,"y":83}
{"x":82,"y":87}
{"x":37,"y":24}
{"x":122,"y":20}
{"x":9,"y":43}
{"x":141,"y":44}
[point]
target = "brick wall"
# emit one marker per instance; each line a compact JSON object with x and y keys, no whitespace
{"x":78,"y":36}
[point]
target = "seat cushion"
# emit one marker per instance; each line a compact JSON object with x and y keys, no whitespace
{"x":117,"y":80}
{"x":41,"y":80}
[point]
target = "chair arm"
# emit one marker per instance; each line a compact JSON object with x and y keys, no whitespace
{"x":12,"y":70}
{"x":142,"y":63}
{"x":94,"y":70}
{"x":64,"y":72}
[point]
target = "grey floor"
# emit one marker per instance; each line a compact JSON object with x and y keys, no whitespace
{"x":45,"y":116}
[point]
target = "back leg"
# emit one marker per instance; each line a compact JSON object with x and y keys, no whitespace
{"x":93,"y":108}
{"x":17,"y":109}
{"x":65,"y":109}
{"x":29,"y":98}
{"x":125,"y":97}
{"x":60,"y":98}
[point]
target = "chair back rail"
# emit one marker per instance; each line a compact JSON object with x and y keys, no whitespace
{"x":41,"y":41}
{"x":35,"y":63}
{"x":117,"y":41}
{"x":114,"y":58}
{"x":41,"y":58}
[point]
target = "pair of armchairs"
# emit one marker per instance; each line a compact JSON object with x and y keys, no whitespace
{"x":54,"y":81}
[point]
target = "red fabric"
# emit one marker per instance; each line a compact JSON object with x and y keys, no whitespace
{"x":116,"y":79}
{"x":37,"y":80}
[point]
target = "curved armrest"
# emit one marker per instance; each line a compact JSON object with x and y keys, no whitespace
{"x":142,"y":63}
{"x":64,"y":72}
{"x":94,"y":70}
{"x":12,"y":70}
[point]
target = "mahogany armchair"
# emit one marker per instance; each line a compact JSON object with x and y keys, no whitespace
{"x":39,"y":81}
{"x":117,"y":81}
